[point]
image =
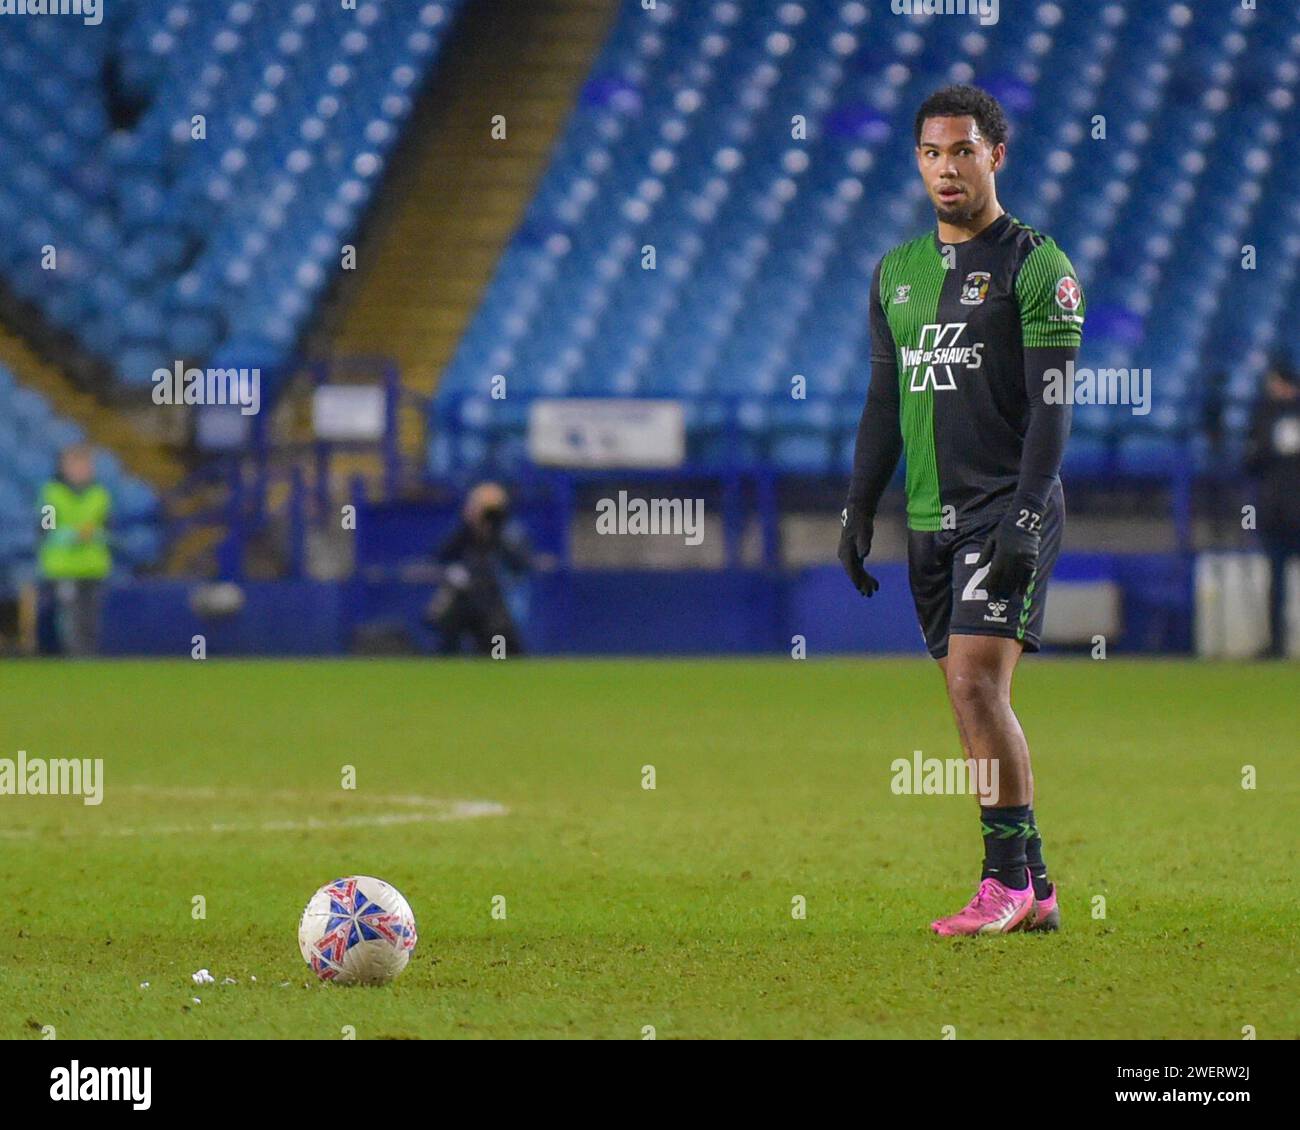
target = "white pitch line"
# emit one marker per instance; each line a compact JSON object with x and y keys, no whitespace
{"x":211,"y":792}
{"x":437,"y":810}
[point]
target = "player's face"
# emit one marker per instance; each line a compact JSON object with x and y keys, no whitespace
{"x":957,"y":165}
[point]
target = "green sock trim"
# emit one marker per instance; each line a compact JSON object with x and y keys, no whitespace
{"x":1023,"y":830}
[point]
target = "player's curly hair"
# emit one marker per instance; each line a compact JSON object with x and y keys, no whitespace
{"x":959,"y":101}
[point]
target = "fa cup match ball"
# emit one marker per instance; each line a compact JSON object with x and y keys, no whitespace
{"x":357,"y":931}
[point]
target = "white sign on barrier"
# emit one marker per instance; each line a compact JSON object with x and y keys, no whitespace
{"x":348,"y":412}
{"x":606,"y":433}
{"x":1079,"y":611}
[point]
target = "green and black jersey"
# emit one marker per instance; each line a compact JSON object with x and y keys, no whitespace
{"x":962,"y":335}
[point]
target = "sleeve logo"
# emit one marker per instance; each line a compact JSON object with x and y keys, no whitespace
{"x":1068,"y":294}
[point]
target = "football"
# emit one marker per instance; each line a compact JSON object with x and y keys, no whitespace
{"x":357,"y":931}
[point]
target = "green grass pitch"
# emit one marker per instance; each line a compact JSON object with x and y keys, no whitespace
{"x":628,"y":908}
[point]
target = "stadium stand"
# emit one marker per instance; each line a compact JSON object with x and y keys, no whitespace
{"x":167,"y":245}
{"x":684,"y":140}
{"x":172,"y":245}
{"x":764,"y":150}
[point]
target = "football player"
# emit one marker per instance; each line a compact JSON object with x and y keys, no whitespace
{"x":973,"y":325}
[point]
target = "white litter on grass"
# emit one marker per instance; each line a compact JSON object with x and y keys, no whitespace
{"x":196,"y":1000}
{"x":202,"y":977}
{"x":144,"y":984}
{"x":419,"y":810}
{"x":229,"y":981}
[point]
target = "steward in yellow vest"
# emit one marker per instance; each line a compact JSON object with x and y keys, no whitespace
{"x":74,"y":554}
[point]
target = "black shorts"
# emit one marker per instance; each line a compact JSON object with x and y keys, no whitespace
{"x":946,"y":585}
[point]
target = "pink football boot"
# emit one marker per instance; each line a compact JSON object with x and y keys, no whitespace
{"x":1046,"y":915}
{"x":995,"y":909}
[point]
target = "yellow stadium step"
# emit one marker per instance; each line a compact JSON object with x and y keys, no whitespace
{"x":143,"y":455}
{"x":456,"y":194}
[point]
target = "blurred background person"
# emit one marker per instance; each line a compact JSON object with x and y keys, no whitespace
{"x":470,"y":600}
{"x":1273,"y":460}
{"x":74,"y":557}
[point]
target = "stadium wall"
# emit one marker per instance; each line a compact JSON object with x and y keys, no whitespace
{"x":644,"y":612}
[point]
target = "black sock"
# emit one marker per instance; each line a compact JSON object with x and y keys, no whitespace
{"x":1006,"y":832}
{"x":1034,"y":857}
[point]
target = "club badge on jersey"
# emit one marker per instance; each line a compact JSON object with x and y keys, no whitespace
{"x":976,"y":288}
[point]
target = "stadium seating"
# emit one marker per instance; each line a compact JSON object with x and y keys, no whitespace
{"x":31,"y":436}
{"x":171,"y":246}
{"x":765,"y":242}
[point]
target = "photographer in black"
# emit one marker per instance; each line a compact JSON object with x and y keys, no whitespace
{"x":469,"y":600}
{"x":1273,"y":458}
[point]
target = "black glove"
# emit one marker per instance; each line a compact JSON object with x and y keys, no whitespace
{"x":855,"y":544}
{"x":1011,"y":552}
